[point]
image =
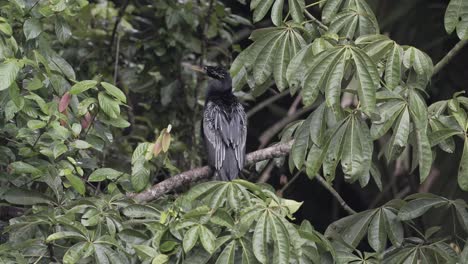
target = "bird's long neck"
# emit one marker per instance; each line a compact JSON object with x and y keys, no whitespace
{"x":220,"y":88}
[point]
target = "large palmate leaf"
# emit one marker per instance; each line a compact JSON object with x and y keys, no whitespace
{"x":269,"y":55}
{"x":421,"y":64}
{"x":456,"y":17}
{"x":384,"y":50}
{"x":380,"y":224}
{"x":367,"y":20}
{"x":353,"y":23}
{"x":261,"y":8}
{"x":326,"y":71}
{"x":348,"y":141}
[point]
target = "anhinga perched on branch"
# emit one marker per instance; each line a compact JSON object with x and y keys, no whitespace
{"x":224,"y":125}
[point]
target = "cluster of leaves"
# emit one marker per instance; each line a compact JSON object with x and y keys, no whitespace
{"x":349,"y":58}
{"x":215,"y":222}
{"x":388,"y":223}
{"x":51,"y":123}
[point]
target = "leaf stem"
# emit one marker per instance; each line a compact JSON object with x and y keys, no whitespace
{"x":293,"y":179}
{"x":333,"y":192}
{"x":266,"y":103}
{"x":315,"y":20}
{"x":315,"y":3}
{"x":449,"y":56}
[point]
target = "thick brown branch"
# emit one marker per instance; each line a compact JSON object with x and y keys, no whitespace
{"x":197,"y":174}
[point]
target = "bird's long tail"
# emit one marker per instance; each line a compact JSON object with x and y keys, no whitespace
{"x":230,"y":170}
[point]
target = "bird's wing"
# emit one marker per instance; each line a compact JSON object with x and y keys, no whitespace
{"x":214,"y":122}
{"x":221,"y":134}
{"x":238,"y":133}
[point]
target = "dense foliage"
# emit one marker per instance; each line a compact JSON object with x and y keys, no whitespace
{"x":95,"y":104}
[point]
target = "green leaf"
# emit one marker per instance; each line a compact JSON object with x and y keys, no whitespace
{"x":376,"y":46}
{"x":418,"y":112}
{"x":80,"y":144}
{"x":259,"y":239}
{"x":207,"y":239}
{"x":296,"y":8}
{"x":368,"y":78}
{"x":389,"y":112}
{"x":277,"y":12}
{"x":280,"y":238}
{"x":160,"y":259}
{"x":376,"y":234}
{"x":393,"y":68}
{"x":399,"y":139}
{"x":32,"y":28}
{"x":261,"y":9}
{"x":60,"y":65}
{"x":26,"y":197}
{"x":334,"y":152}
{"x":333,"y":82}
{"x":108,"y":105}
{"x":463,"y":167}
{"x":393,"y":227}
{"x":104,"y":173}
{"x":145,"y":252}
{"x":20,"y":167}
{"x":353,"y":23}
{"x":77,"y":252}
{"x":140,"y":174}
{"x":297,"y":68}
{"x":456,"y":16}
{"x":82,"y":86}
{"x":419,"y":61}
{"x":357,"y":151}
{"x":263,"y":67}
{"x":114,"y":91}
{"x":77,"y":183}
{"x":141,"y":211}
{"x":228,"y":254}
{"x":418,"y":207}
{"x":330,"y":9}
{"x":8,"y":72}
{"x":320,"y":66}
{"x":5,"y":27}
{"x":281,"y":60}
{"x":190,"y":238}
{"x":301,"y":143}
{"x":65,"y":235}
{"x":62,"y":29}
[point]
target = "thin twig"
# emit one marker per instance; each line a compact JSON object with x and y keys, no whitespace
{"x":198,"y":174}
{"x":337,"y":196}
{"x":449,"y":56}
{"x":286,"y":186}
{"x":273,"y":130}
{"x":266,"y":103}
{"x":117,"y":22}
{"x":315,"y":20}
{"x":116,"y":64}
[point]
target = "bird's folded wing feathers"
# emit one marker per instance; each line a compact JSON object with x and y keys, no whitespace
{"x":222,"y":134}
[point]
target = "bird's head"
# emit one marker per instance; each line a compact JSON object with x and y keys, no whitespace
{"x":216,"y":72}
{"x":221,"y":82}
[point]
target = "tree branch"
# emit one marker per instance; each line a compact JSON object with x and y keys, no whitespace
{"x":333,"y":192}
{"x":197,"y":174}
{"x":449,"y":56}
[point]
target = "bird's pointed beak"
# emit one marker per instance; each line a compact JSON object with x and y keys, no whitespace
{"x":194,"y":67}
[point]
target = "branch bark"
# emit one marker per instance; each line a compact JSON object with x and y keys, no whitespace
{"x":198,"y":174}
{"x":450,"y":55}
{"x":335,"y":194}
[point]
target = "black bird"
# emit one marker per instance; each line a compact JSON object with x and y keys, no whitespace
{"x":224,"y":125}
